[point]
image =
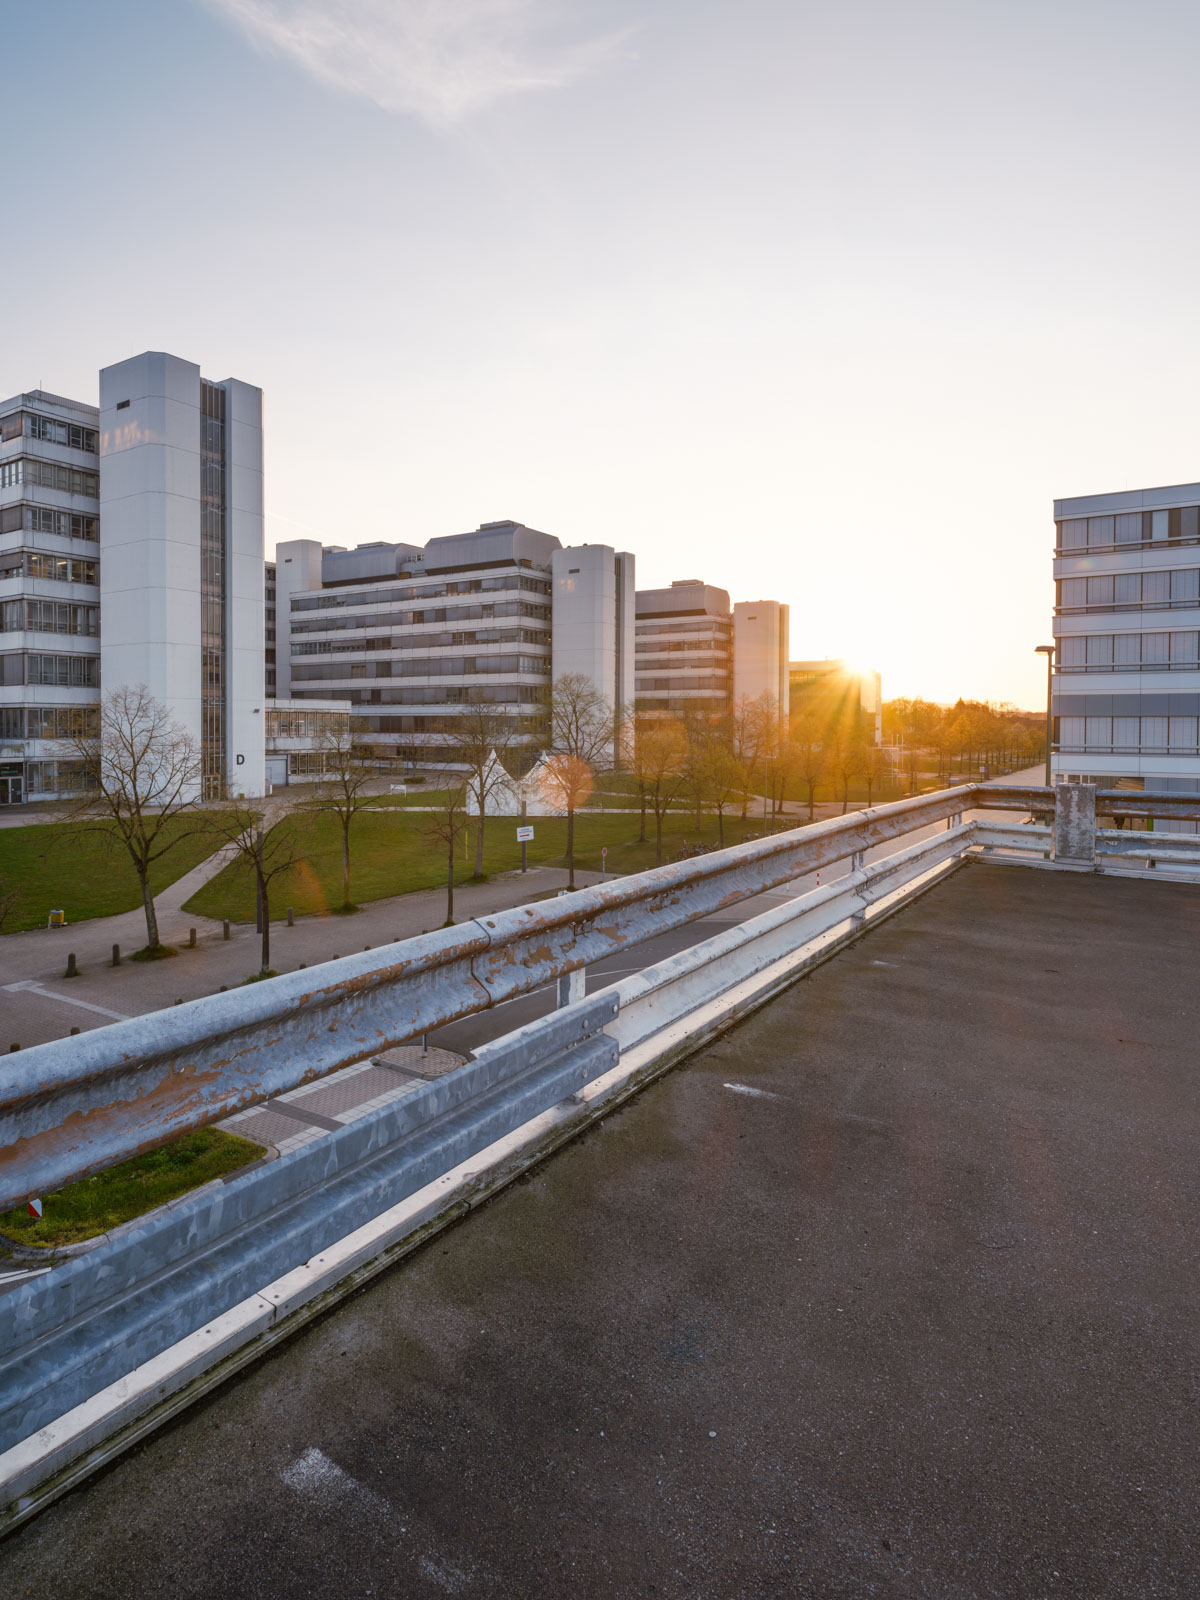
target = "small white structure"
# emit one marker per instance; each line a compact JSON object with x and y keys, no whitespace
{"x":514,"y":797}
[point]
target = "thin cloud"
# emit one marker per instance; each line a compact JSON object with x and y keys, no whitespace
{"x":440,"y":60}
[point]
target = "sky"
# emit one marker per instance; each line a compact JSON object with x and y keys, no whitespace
{"x":819,"y":302}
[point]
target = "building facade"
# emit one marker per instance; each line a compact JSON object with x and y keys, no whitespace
{"x":684,"y":650}
{"x":410,"y":636}
{"x":760,"y":652}
{"x":1126,"y":685}
{"x":49,"y":590}
{"x":297,"y":737}
{"x":838,"y":695}
{"x":182,"y":575}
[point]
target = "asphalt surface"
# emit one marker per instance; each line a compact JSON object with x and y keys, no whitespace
{"x":891,"y":1291}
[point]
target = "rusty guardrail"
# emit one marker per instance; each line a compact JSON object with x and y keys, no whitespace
{"x":75,"y":1106}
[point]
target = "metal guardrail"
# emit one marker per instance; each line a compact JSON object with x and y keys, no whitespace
{"x":75,"y":1106}
{"x":89,"y":1326}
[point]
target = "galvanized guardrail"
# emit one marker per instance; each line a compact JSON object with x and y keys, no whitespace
{"x":75,"y":1106}
{"x":88,"y":1326}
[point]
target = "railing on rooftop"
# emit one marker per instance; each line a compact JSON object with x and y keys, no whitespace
{"x":254,"y":1251}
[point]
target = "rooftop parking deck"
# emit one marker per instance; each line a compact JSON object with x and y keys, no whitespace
{"x":890,"y":1291}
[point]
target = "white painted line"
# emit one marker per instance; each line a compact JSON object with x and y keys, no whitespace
{"x":32,"y":987}
{"x":758,"y":1094}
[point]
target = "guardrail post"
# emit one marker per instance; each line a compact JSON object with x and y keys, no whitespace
{"x":572,"y":986}
{"x":1075,"y":824}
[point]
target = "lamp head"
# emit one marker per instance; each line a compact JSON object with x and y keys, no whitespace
{"x":1045,"y":649}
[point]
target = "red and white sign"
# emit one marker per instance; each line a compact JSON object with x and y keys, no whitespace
{"x":35,"y":1208}
{"x":524,"y":835}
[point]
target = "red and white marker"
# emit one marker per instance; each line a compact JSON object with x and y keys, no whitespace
{"x":35,"y":1208}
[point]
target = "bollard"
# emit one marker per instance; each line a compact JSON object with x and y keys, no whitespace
{"x":116,"y":955}
{"x":224,"y":930}
{"x":179,"y":1002}
{"x":224,"y":988}
{"x":74,"y":1030}
{"x":13,"y":1047}
{"x":366,"y":947}
{"x":72,"y":970}
{"x":191,"y":938}
{"x":291,"y":917}
{"x":303,"y":964}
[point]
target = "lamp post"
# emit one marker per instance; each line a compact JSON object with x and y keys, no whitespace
{"x":1047,"y":650}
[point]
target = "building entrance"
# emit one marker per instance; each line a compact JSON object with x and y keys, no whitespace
{"x":11,"y":783}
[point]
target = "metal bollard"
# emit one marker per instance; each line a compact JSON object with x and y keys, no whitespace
{"x":224,"y":988}
{"x":224,"y":930}
{"x":291,"y":917}
{"x":179,"y":1001}
{"x":13,"y":1047}
{"x":72,"y":970}
{"x":74,"y":1030}
{"x":191,"y":938}
{"x":303,"y":964}
{"x":116,"y":957}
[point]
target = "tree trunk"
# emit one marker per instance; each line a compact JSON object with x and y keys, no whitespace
{"x":266,"y":928}
{"x":721,"y":827}
{"x":570,"y":847}
{"x":642,"y":819}
{"x":479,"y":846}
{"x":812,"y":799}
{"x":657,"y":836}
{"x":845,"y":794}
{"x":148,"y":905}
{"x":346,"y":860}
{"x":450,"y":880}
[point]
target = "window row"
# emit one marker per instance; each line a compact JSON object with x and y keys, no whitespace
{"x":27,"y":424}
{"x":1181,"y":524}
{"x":407,"y":619}
{"x":1128,"y":652}
{"x":45,"y":519}
{"x":38,"y":564}
{"x":305,"y":724}
{"x":1129,"y":734}
{"x":437,"y":667}
{"x":714,"y":627}
{"x":48,"y":475}
{"x":63,"y":672}
{"x":667,"y":685}
{"x":48,"y":616}
{"x":1131,"y":589}
{"x":49,"y":722}
{"x":451,"y":694}
{"x":56,"y":777}
{"x":426,"y":641}
{"x":705,"y":649}
{"x":333,"y":599}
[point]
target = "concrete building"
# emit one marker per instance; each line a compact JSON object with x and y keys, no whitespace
{"x":407,"y":634}
{"x":684,"y":649}
{"x":296,"y":732}
{"x":49,"y":589}
{"x":837,"y":694}
{"x":269,"y":673}
{"x":181,"y":508}
{"x":760,"y":652}
{"x":1126,"y":690}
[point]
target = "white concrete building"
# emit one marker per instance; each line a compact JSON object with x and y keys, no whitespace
{"x":592,"y":620}
{"x":684,"y":649}
{"x":760,"y":652}
{"x":49,"y":590}
{"x":1127,"y":626}
{"x":407,"y":635}
{"x":297,"y":734}
{"x":182,"y":575}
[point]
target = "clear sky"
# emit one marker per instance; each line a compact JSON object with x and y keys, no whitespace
{"x":821,"y":302}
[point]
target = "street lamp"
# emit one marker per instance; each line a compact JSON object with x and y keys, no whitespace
{"x":1047,"y":650}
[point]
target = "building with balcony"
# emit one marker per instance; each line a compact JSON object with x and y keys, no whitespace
{"x":409,"y":636}
{"x":684,"y":649}
{"x":1126,"y":687}
{"x":49,"y":589}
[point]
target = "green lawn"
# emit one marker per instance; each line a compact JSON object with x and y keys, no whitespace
{"x":93,"y":1205}
{"x":390,"y":855}
{"x":80,"y":869}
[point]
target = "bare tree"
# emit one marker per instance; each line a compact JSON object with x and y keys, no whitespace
{"x":483,"y":738}
{"x":268,"y":851}
{"x":8,"y":902}
{"x":807,"y":756}
{"x":141,"y":780}
{"x":567,"y":784}
{"x":846,"y":758}
{"x":445,"y":828}
{"x":722,"y":780}
{"x":345,"y":789}
{"x":874,"y":767}
{"x":584,"y":739}
{"x":660,"y":754}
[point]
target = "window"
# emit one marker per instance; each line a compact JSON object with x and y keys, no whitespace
{"x":1100,"y":591}
{"x":1128,"y":527}
{"x":73,"y":672}
{"x":1099,"y":650}
{"x":1101,"y":531}
{"x":1160,"y":524}
{"x":55,"y":432}
{"x":48,"y":475}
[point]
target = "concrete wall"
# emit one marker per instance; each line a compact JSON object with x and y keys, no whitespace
{"x":297,"y":570}
{"x":760,"y":651}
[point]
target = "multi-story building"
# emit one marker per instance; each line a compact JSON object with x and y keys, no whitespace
{"x":298,"y":735}
{"x":181,"y":580}
{"x":760,"y":652}
{"x":49,"y":590}
{"x":1127,"y":625}
{"x":684,"y":649}
{"x":408,"y":636}
{"x":838,"y":695}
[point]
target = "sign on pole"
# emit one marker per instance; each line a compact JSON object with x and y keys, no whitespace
{"x":524,"y":834}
